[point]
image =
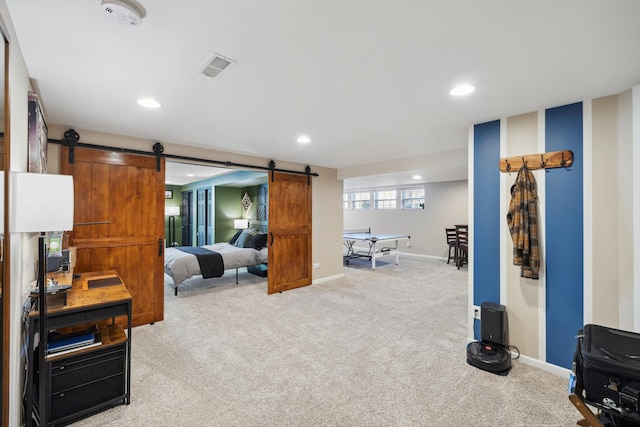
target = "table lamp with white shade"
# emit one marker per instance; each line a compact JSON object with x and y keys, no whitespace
{"x":41,"y":203}
{"x":240,"y":224}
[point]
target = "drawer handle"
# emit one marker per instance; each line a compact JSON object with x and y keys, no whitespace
{"x":61,"y":367}
{"x":61,"y":394}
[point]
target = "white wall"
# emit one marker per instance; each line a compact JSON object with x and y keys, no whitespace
{"x":22,"y":247}
{"x":445,"y":204}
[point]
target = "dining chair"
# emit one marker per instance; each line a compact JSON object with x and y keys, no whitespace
{"x":452,"y":243}
{"x":462,"y":245}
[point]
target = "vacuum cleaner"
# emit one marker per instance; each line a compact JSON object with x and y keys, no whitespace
{"x":490,"y":353}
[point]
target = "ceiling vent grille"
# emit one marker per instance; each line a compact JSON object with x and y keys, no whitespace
{"x":217,"y":65}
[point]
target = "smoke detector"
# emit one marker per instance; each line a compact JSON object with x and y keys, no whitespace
{"x":217,"y":64}
{"x":124,"y":12}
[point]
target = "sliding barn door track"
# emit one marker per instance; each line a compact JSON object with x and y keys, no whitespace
{"x":72,"y":140}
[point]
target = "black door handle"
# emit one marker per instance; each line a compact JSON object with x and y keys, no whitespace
{"x":271,"y":233}
{"x":160,"y":247}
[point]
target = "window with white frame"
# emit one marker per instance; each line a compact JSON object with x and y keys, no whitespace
{"x":412,"y":198}
{"x":361,"y":200}
{"x":385,"y":199}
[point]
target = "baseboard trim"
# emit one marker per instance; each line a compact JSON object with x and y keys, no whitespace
{"x":327,"y":279}
{"x":438,"y":258}
{"x":553,"y":369}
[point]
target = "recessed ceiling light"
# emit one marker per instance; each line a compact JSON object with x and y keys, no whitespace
{"x":149,"y":103}
{"x":462,"y":90}
{"x":304,"y":139}
{"x":416,"y":177}
{"x":190,"y":174}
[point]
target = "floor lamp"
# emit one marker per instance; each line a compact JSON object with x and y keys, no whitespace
{"x":41,"y":203}
{"x":172,"y":212}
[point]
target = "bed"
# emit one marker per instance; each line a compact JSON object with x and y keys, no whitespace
{"x":181,"y":265}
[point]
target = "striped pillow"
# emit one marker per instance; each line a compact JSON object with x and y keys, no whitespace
{"x":245,"y":237}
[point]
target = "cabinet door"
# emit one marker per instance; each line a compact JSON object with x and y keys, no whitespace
{"x":119,"y":222}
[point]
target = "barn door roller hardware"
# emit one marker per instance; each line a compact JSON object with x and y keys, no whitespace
{"x":158,"y":149}
{"x":551,"y":159}
{"x":272,"y":168}
{"x":71,"y":138}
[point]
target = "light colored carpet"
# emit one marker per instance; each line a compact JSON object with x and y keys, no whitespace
{"x":375,"y":348}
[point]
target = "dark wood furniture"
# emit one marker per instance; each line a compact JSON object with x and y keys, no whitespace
{"x":462,"y":244}
{"x":451,"y":242}
{"x":91,"y":379}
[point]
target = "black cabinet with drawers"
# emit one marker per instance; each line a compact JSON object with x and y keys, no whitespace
{"x":80,"y":382}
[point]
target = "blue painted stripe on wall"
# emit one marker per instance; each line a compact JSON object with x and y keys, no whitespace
{"x":486,"y":213}
{"x":564,"y":235}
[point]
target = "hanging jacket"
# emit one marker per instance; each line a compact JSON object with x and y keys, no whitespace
{"x":522,"y":219}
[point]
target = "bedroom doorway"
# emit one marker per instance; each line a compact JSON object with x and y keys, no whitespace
{"x":280,"y":201}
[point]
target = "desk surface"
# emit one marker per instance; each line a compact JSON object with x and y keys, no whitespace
{"x":374,"y":237}
{"x":81,"y":297}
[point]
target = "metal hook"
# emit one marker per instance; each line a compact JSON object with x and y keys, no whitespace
{"x":542,"y":162}
{"x":508,"y":165}
{"x":563,"y":162}
{"x":524,"y":163}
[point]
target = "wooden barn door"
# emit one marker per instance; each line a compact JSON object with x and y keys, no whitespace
{"x":289,"y":232}
{"x":119,"y":222}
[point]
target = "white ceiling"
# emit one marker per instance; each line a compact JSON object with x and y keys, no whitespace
{"x":184,"y":173}
{"x":367,"y":80}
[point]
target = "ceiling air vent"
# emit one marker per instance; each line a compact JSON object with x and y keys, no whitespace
{"x":216,"y":65}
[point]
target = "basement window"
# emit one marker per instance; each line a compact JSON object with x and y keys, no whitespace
{"x":412,"y":198}
{"x":385,"y":199}
{"x":361,"y":200}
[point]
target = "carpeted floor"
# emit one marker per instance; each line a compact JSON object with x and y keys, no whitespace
{"x":375,"y":348}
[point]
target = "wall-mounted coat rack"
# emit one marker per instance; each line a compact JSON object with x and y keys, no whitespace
{"x":552,"y":159}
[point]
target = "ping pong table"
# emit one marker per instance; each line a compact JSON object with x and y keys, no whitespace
{"x":350,"y":237}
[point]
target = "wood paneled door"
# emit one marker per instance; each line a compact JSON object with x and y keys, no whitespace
{"x":119,"y":222}
{"x":289,"y":232}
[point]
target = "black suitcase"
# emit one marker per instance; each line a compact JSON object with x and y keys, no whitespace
{"x":607,"y":366}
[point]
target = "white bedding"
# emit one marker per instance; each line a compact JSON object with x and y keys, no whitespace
{"x":182,"y":265}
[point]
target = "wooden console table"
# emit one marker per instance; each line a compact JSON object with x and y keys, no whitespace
{"x":87,"y":380}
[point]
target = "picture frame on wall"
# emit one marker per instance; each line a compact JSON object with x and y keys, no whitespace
{"x":168,"y":194}
{"x":37,"y":136}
